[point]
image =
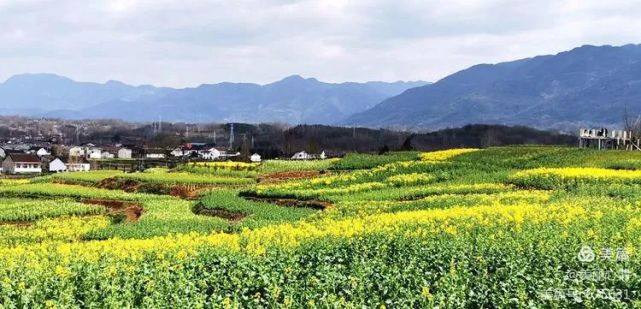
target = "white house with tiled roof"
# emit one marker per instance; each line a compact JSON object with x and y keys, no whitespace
{"x":22,"y":163}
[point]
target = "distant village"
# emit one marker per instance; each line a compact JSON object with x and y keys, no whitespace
{"x":30,"y":159}
{"x":43,"y":145}
{"x":26,"y":152}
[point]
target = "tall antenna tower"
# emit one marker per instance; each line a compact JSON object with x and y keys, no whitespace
{"x":160,"y":124}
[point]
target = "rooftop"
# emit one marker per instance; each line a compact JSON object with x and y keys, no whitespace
{"x":24,"y":157}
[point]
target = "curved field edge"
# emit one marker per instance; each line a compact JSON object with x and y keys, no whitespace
{"x":451,"y":231}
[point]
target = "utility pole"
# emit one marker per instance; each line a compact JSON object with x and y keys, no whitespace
{"x":244,"y":149}
{"x":231,"y":137}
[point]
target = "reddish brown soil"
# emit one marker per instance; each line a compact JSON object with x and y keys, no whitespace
{"x":128,"y":185}
{"x":132,"y":210}
{"x":314,"y":204}
{"x":285,"y":176}
{"x":233,"y":216}
{"x":183,"y":191}
{"x":191,"y":192}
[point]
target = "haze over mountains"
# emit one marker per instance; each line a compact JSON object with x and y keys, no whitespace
{"x":586,"y":86}
{"x":291,"y":100}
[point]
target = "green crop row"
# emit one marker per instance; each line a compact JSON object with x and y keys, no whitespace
{"x":16,"y":209}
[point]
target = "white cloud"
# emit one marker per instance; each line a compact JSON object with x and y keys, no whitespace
{"x":185,"y":43}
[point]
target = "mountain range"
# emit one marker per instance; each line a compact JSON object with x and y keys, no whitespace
{"x":292,"y":100}
{"x":589,"y":86}
{"x":586,"y":86}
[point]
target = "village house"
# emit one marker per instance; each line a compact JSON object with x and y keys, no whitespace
{"x":303,"y":155}
{"x":108,"y":152}
{"x":124,"y":153}
{"x":155,"y":154}
{"x":2,"y":153}
{"x":255,"y":158}
{"x":107,"y":155}
{"x":41,"y":152}
{"x":57,"y":166}
{"x":227,"y":155}
{"x":76,"y":152}
{"x":87,"y":151}
{"x":22,"y":163}
{"x":93,"y":153}
{"x":177,"y":152}
{"x":78,"y":167}
{"x":209,"y":154}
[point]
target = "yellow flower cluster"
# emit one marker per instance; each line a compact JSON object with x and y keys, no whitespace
{"x":328,"y":180}
{"x":550,"y":178}
{"x":444,"y":155}
{"x":582,"y":173}
{"x":228,"y":165}
{"x":51,"y":230}
{"x":391,"y":203}
{"x":534,"y":197}
{"x":452,"y":220}
{"x":9,"y":182}
{"x":409,"y":179}
{"x":391,"y":167}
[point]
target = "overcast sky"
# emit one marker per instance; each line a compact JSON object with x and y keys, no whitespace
{"x":185,"y":43}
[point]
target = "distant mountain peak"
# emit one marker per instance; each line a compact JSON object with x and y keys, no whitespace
{"x":293,"y":77}
{"x":37,"y":77}
{"x":296,"y":79}
{"x":115,"y":82}
{"x":588,"y":85}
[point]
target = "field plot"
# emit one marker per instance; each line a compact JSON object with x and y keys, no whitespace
{"x":480,"y":228}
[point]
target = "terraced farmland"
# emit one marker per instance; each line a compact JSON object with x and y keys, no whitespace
{"x":481,"y":228}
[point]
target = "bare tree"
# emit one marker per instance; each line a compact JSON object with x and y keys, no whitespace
{"x":632,"y":123}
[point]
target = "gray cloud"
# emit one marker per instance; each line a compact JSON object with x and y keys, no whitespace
{"x":185,"y":43}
